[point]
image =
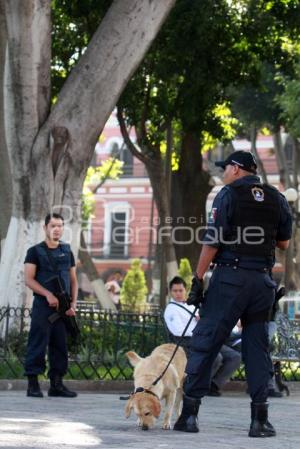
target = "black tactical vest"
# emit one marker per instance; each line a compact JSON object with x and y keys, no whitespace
{"x":255,"y":220}
{"x":62,"y":260}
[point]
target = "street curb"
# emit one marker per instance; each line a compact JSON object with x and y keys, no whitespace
{"x":241,"y":386}
{"x":99,"y":386}
{"x":113,"y":386}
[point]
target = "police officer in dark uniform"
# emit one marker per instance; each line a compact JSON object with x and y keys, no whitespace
{"x":248,"y":220}
{"x":39,"y":269}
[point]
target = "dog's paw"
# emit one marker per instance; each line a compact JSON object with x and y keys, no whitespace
{"x":166,"y":426}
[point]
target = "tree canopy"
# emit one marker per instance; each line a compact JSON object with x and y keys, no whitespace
{"x":289,"y":101}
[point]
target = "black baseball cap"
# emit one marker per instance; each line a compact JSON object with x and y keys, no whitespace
{"x":243,"y":159}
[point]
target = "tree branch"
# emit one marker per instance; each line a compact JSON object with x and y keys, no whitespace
{"x":112,"y":56}
{"x":281,"y":160}
{"x":127,"y":139}
{"x":260,"y":166}
{"x":144,"y":114}
{"x":106,"y":176}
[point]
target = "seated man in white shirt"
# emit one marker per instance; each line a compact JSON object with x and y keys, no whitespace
{"x":177,"y":315}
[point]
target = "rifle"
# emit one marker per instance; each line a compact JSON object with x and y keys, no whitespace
{"x":64,"y":301}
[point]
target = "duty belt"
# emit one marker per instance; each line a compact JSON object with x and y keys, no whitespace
{"x":236,"y":263}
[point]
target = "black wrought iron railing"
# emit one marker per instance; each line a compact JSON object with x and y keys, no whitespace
{"x":100,"y":354}
{"x":105,"y":338}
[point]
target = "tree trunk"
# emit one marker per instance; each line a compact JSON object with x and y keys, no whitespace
{"x":281,"y":160}
{"x":296,"y":235}
{"x":89,"y":268}
{"x":150,"y":156}
{"x":296,"y":272}
{"x":288,"y":267}
{"x":260,"y":167}
{"x":49,"y":153}
{"x":166,"y":277}
{"x":292,"y":259}
{"x":5,"y":176}
{"x":296,"y":164}
{"x":26,"y":103}
{"x":159,"y":185}
{"x":156,"y":274}
{"x":88,"y":265}
{"x":190,"y":188}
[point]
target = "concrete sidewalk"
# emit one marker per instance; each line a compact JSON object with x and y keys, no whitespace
{"x":97,"y":421}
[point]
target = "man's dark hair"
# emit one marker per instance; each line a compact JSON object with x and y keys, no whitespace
{"x":177,"y":280}
{"x":54,"y":215}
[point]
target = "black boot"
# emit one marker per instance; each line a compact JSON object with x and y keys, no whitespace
{"x":33,"y":389}
{"x":188,"y":421}
{"x":260,"y":427}
{"x":58,"y":389}
{"x":214,"y":390}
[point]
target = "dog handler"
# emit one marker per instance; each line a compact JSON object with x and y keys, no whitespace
{"x":248,"y":220}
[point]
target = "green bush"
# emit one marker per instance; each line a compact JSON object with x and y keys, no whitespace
{"x":134,"y":289}
{"x":185,"y":272}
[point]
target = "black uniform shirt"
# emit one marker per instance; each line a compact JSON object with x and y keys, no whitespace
{"x":32,"y":257}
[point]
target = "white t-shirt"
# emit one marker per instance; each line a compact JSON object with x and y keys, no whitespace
{"x":176,"y":318}
{"x":114,"y":290}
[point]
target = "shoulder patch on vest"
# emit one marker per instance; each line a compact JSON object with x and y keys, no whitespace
{"x":258,"y":194}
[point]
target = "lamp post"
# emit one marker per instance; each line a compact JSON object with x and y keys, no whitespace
{"x":291,"y":195}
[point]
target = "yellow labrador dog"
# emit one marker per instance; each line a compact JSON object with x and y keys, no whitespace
{"x":146,"y":399}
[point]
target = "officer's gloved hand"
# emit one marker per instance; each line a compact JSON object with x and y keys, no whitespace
{"x":279,"y":294}
{"x":196,"y":294}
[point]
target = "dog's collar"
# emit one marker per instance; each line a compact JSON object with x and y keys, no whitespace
{"x":144,"y":390}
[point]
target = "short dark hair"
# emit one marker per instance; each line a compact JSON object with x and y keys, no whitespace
{"x":177,"y":280}
{"x":54,"y":215}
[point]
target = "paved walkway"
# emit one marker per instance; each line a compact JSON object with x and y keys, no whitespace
{"x":96,"y":420}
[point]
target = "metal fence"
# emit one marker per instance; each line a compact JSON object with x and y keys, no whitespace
{"x":100,"y":353}
{"x":105,"y":338}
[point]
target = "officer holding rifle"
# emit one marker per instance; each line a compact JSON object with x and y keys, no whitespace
{"x":50,"y":274}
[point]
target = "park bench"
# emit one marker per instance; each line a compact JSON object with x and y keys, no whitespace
{"x":285,"y":347}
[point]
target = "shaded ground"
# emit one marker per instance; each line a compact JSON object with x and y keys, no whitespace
{"x":97,"y":421}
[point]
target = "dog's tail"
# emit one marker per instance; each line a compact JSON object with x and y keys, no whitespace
{"x":133,"y":358}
